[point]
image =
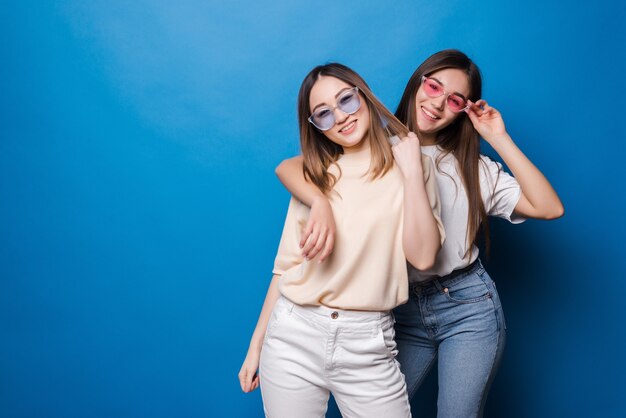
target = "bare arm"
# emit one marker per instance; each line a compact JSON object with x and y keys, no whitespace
{"x":539,"y":199}
{"x":420,"y":236}
{"x":319,"y":233}
{"x":248,"y":377}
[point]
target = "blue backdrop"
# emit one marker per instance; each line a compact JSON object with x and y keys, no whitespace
{"x":140,"y":214}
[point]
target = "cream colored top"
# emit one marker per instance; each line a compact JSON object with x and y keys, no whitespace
{"x":367,"y":268}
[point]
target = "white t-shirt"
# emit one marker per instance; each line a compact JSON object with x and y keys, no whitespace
{"x":500,"y":193}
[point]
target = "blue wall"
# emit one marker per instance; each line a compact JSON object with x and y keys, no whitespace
{"x":139,"y":211}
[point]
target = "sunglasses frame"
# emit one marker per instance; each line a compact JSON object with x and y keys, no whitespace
{"x":354,"y":89}
{"x":444,"y":92}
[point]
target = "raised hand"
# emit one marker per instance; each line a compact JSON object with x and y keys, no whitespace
{"x":486,"y":120}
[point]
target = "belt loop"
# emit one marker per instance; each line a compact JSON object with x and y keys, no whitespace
{"x":438,"y":285}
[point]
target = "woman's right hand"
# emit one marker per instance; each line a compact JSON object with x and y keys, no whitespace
{"x":319,"y":234}
{"x":408,"y":155}
{"x":248,"y":376}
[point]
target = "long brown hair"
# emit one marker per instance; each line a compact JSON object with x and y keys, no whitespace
{"x":459,"y":138}
{"x":319,"y":152}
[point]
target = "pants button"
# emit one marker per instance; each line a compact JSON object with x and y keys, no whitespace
{"x":334,"y":315}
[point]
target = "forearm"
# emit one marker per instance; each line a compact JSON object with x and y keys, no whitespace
{"x":542,"y":200}
{"x":256,"y":342}
{"x":420,"y":235}
{"x":291,"y":175}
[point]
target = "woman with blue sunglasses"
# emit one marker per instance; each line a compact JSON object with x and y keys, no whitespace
{"x":453,"y":316}
{"x":327,"y":327}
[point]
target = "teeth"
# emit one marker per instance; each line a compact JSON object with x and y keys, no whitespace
{"x":430,"y":114}
{"x":348,"y":126}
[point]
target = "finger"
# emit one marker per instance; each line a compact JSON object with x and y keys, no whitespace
{"x":255,"y":383}
{"x":328,"y":248}
{"x":321,"y":240}
{"x":307,"y":232}
{"x":311,"y":242}
{"x":476,"y":109}
{"x":243,"y":380}
{"x":473,"y":115}
{"x":490,"y":110}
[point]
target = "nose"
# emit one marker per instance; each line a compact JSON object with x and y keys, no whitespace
{"x":438,"y":102}
{"x":340,"y":116}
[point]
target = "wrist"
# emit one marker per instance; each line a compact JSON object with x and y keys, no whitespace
{"x":498,"y":138}
{"x":319,"y":199}
{"x":415,"y":174}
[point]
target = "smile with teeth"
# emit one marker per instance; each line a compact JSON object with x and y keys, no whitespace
{"x":348,"y":126}
{"x":430,"y":115}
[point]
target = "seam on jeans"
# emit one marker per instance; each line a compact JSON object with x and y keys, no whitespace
{"x":499,"y":307}
{"x":496,"y":356}
{"x":430,"y":330}
{"x":420,"y":379}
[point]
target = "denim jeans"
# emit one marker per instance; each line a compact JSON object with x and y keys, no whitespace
{"x":456,"y":320}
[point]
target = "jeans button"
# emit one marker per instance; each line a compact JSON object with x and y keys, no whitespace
{"x":334,"y":315}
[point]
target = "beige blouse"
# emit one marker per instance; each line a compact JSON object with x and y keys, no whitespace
{"x":367,"y":269}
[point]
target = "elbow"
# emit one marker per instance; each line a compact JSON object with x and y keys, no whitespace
{"x":423,"y":262}
{"x":556,"y":212}
{"x":279,"y":169}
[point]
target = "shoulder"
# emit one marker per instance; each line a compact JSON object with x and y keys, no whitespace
{"x":489,"y":168}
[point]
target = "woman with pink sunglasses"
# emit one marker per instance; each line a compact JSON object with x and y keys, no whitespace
{"x":453,"y":316}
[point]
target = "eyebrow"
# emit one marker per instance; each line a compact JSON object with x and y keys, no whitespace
{"x":454,"y":92}
{"x":336,"y":95}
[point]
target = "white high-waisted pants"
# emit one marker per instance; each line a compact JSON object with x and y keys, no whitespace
{"x":309,"y":352}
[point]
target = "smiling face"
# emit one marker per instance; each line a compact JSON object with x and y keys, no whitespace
{"x":434,"y":113}
{"x":349,"y":131}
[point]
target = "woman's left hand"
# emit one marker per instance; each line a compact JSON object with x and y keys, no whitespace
{"x":486,"y":120}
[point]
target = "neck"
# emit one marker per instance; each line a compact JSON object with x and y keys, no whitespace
{"x":357,"y":154}
{"x":362,"y":148}
{"x":428,"y":138}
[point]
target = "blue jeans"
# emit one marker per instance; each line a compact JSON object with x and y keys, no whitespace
{"x":458,"y":320}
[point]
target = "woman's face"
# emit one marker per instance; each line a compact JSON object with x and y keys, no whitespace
{"x":434,"y":113}
{"x":349,"y":131}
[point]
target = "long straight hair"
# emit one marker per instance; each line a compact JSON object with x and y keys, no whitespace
{"x":459,"y":138}
{"x":319,"y":152}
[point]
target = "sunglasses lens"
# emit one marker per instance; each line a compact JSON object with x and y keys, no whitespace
{"x":456,"y":103}
{"x":432,"y":88}
{"x":349,"y":102}
{"x":323,"y":119}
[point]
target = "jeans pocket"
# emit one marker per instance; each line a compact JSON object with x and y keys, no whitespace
{"x":471,"y":289}
{"x":386,"y":338}
{"x":277,"y":313}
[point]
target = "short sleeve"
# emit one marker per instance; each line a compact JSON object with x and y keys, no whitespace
{"x":432,"y":191}
{"x":500,"y":191}
{"x":289,"y":253}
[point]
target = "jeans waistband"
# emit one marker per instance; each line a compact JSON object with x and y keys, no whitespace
{"x":447,"y":280}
